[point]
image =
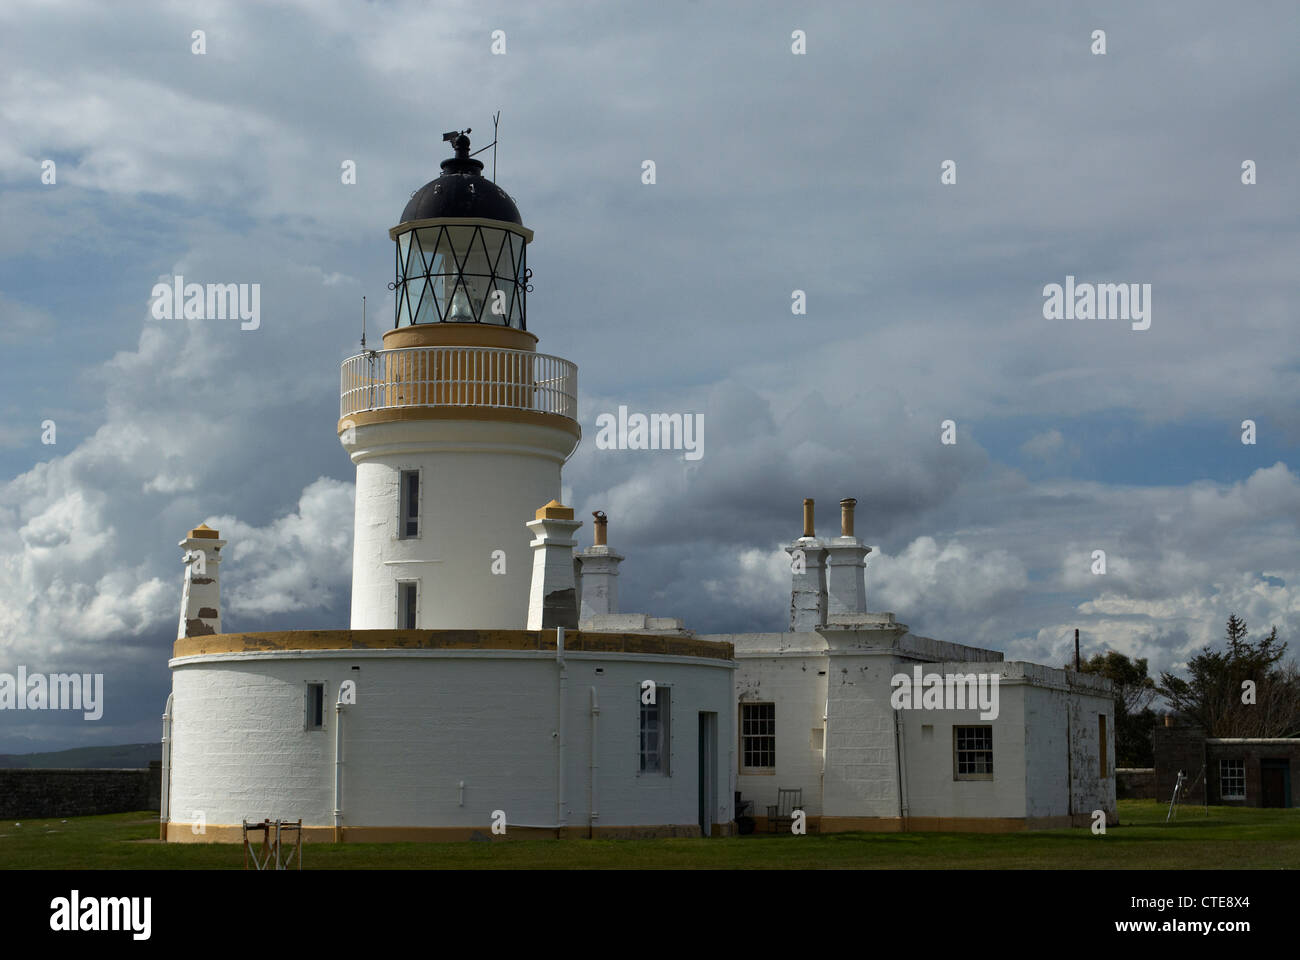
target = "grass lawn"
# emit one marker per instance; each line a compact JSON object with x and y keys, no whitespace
{"x":1229,"y":838}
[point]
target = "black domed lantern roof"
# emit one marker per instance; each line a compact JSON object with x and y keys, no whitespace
{"x":461,"y":249}
{"x":461,"y":191}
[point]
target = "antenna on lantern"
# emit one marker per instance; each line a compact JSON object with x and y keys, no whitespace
{"x":496,"y":120}
{"x":363,"y":321}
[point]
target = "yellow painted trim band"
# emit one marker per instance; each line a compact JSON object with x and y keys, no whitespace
{"x":540,"y":640}
{"x":401,"y":414}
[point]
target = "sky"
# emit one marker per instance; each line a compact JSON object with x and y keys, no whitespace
{"x":776,"y":171}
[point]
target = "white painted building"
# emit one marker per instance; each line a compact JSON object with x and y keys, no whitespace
{"x":816,"y":714}
{"x":489,"y":681}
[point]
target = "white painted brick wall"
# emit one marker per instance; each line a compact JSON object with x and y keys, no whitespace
{"x":422,"y":723}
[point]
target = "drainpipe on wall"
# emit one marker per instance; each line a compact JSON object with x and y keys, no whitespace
{"x":902,"y":769}
{"x":559,"y":756}
{"x":338,"y":767}
{"x":591,"y":797}
{"x":826,"y":746}
{"x":164,"y":787}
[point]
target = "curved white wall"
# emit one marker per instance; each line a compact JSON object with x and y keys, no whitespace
{"x":481,"y":482}
{"x":425,"y":721}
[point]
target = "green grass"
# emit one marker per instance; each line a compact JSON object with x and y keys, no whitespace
{"x":1229,"y":838}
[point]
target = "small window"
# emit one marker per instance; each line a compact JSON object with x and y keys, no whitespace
{"x":972,"y":753}
{"x":656,"y":732}
{"x":1101,"y":744}
{"x":408,"y":521}
{"x":315,"y":706}
{"x":1232,"y":779}
{"x":758,"y":736}
{"x":407,"y":604}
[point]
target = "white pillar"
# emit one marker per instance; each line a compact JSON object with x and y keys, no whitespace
{"x":201,"y":597}
{"x":551,"y":600}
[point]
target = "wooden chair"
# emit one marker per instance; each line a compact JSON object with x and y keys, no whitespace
{"x":781,"y":814}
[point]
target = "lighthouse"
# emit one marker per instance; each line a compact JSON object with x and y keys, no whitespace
{"x":458,"y":426}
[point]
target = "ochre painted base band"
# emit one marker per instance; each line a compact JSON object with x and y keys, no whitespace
{"x":233,"y":833}
{"x":935,"y":824}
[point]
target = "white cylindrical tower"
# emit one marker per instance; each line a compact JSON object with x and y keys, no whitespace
{"x":458,"y":426}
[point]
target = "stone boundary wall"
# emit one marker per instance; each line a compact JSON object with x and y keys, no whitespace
{"x":1135,"y":783}
{"x":35,"y":793}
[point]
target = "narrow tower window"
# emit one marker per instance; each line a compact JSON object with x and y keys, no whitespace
{"x":408,"y":521}
{"x":406,"y":604}
{"x":315,"y":706}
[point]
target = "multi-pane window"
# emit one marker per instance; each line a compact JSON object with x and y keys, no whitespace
{"x":408,"y":520}
{"x":407,"y":598}
{"x":656,"y":737}
{"x":315,"y":712}
{"x":758,"y":735}
{"x":1232,"y":779}
{"x":972,"y":753}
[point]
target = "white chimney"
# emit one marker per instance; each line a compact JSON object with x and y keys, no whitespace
{"x":201,"y":597}
{"x":551,"y":600}
{"x":846,"y":560}
{"x":597,"y":569}
{"x":807,"y":577}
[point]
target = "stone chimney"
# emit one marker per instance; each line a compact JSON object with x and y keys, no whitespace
{"x":846,"y":559}
{"x":597,"y":571}
{"x":807,"y":577}
{"x":551,"y":600}
{"x":201,"y":596}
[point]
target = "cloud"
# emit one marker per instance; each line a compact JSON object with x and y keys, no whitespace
{"x":924,"y":304}
{"x":1044,"y":446}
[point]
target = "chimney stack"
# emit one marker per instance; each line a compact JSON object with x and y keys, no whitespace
{"x":552,"y":600}
{"x":597,"y":574}
{"x":846,"y":561}
{"x":201,"y":595}
{"x":807,"y":577}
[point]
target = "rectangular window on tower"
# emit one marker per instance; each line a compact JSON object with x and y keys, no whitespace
{"x":408,"y":519}
{"x":408,"y":596}
{"x":315,"y":712}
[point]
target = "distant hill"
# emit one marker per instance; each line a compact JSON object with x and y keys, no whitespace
{"x":128,"y":755}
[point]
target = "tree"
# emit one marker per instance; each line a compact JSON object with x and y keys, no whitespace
{"x":1134,"y":718}
{"x":1241,"y":691}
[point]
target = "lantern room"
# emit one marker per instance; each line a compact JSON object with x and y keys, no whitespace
{"x":461,"y":250}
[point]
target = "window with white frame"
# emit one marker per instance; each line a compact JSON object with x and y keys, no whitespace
{"x":758,"y":736}
{"x":314,"y":718}
{"x":408,"y":597}
{"x":972,"y":749}
{"x":656,"y":731}
{"x":1232,"y":779}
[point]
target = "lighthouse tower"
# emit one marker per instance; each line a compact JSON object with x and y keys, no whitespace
{"x":458,"y":427}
